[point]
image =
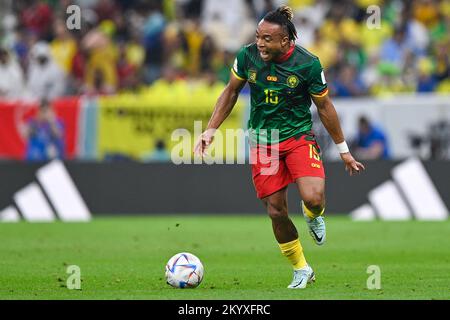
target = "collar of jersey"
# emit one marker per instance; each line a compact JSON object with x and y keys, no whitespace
{"x":285,"y":56}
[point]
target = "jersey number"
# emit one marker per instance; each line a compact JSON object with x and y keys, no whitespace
{"x":271,"y":96}
{"x":313,"y":153}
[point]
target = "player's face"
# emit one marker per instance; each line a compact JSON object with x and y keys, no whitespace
{"x":270,"y":40}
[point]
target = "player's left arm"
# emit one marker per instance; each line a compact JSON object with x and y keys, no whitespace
{"x":330,"y":120}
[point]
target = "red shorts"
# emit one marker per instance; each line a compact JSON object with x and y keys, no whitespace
{"x":276,"y":166}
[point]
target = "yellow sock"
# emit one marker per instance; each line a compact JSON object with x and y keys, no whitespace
{"x":294,"y":252}
{"x":311,"y":214}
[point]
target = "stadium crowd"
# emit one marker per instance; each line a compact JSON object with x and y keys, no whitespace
{"x":126,"y":44}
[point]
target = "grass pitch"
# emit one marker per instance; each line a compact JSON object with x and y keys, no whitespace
{"x":124,"y":258}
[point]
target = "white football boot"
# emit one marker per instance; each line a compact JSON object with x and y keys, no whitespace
{"x":316,"y":228}
{"x":302,"y":277}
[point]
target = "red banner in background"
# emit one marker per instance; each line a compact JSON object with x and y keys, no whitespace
{"x":15,"y":114}
{"x":12,"y":144}
{"x":68,"y":110}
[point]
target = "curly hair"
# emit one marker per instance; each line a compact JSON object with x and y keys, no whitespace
{"x":283,"y":16}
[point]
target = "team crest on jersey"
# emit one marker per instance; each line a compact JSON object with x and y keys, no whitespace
{"x":292,"y":81}
{"x":252,"y":76}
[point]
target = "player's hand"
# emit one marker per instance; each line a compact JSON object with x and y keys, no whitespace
{"x":203,"y":142}
{"x":351,"y":165}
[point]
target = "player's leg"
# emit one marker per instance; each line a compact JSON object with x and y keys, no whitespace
{"x":287,"y":237}
{"x":271,"y":188}
{"x":312,"y":192}
{"x":283,"y":227}
{"x":305,"y":166}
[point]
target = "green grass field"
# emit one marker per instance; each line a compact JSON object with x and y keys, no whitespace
{"x":124,"y":258}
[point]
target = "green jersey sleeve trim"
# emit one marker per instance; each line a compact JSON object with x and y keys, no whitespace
{"x":236,"y":75}
{"x":320,"y":95}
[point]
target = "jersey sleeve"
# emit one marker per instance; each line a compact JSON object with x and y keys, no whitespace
{"x":239,"y":65}
{"x":317,"y":85}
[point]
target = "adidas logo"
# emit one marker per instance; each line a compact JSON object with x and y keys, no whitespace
{"x":53,"y":195}
{"x":410,"y":194}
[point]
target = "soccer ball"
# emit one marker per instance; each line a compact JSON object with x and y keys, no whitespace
{"x":184,"y":270}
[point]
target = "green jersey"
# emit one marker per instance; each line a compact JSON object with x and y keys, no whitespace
{"x":280,"y":92}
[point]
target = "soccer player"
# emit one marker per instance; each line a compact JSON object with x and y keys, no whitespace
{"x":283,"y":79}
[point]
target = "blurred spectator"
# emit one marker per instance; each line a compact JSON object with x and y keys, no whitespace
{"x":305,"y":26}
{"x":131,"y":58}
{"x":78,"y":69}
{"x":262,"y":7}
{"x":409,"y":71}
{"x":426,"y":11}
{"x":45,"y":135}
{"x":372,"y":39}
{"x":442,"y":71}
{"x":21,"y":46}
{"x":440,"y":140}
{"x":232,"y":26}
{"x":160,"y":154}
{"x":36,"y":16}
{"x":46,"y":80}
{"x":11,"y":76}
{"x":153,"y":41}
{"x":176,"y":48}
{"x":394,"y":49}
{"x":207,"y":54}
{"x":63,"y":46}
{"x":191,"y":8}
{"x":390,"y":80}
{"x":369,"y":74}
{"x":416,"y":33}
{"x":194,"y":40}
{"x":218,"y":30}
{"x":325,"y":49}
{"x":371,"y":142}
{"x":106,"y":10}
{"x":427,"y":81}
{"x":348,"y":83}
{"x":340,"y":25}
{"x":102,"y":55}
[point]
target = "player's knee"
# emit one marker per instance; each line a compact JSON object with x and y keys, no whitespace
{"x":314,"y":200}
{"x":276,"y":210}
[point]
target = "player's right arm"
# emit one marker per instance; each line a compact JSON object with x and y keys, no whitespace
{"x":222,"y":109}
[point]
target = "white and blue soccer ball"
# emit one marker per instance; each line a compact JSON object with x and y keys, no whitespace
{"x":184,"y":270}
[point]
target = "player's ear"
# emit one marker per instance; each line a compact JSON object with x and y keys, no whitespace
{"x":285,"y":40}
